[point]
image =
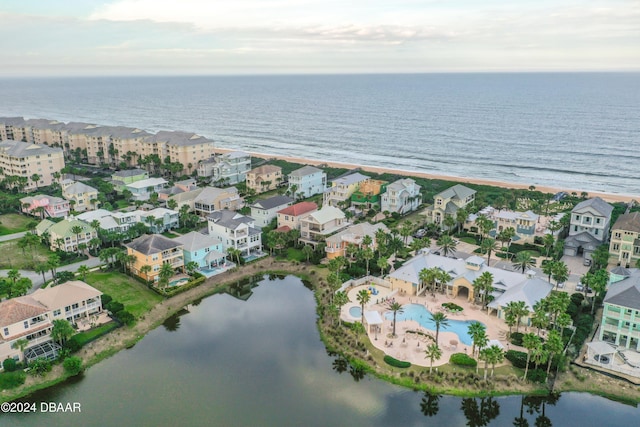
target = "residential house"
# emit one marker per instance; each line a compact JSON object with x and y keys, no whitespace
{"x":524,"y":224}
{"x":62,"y":236}
{"x":306,"y":182}
{"x":620,"y":323}
{"x":187,"y":198}
{"x":31,"y":317}
{"x":342,"y":188}
{"x":81,"y":196}
{"x":226,"y":169}
{"x":45,"y":206}
{"x":264,"y":178}
{"x":143,"y":188}
{"x":177,"y":188}
{"x":402,"y":196}
{"x":237,"y":231}
{"x":128,"y":176}
{"x":588,"y":227}
{"x":213,"y":199}
{"x":448,"y":202}
{"x":625,"y":240}
{"x":265,"y":211}
{"x":290,"y":217}
{"x":353,"y":235}
{"x":320,"y":224}
{"x":204,"y":250}
{"x":27,"y":160}
{"x":154,"y":250}
{"x":367,"y":196}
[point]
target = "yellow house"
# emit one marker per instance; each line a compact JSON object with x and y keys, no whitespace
{"x":154,"y":250}
{"x":81,"y":196}
{"x":264,"y":178}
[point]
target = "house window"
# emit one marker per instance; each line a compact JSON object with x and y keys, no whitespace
{"x":67,"y":308}
{"x":616,"y":246}
{"x":617,"y":235}
{"x":597,"y":220}
{"x":56,"y":312}
{"x":577,"y":217}
{"x":26,"y":324}
{"x":575,"y":228}
{"x":596,"y":232}
{"x":6,"y":331}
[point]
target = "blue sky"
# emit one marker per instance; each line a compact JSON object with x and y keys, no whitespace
{"x":161,"y":37}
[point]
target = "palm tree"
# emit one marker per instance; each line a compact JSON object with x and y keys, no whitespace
{"x":77,"y":229}
{"x":165,"y":273}
{"x":41,"y":269}
{"x":146,"y":269}
{"x":484,"y":355}
{"x":340,"y":299}
{"x":496,"y":355}
{"x":21,"y":344}
{"x":540,"y":318}
{"x":475,"y":331}
{"x":518,"y":309}
{"x":405,"y":231}
{"x":489,"y":245}
{"x":440,"y":320}
{"x":307,"y":250}
{"x":447,"y":245}
{"x":382,"y":264}
{"x":449,"y":222}
{"x":548,"y":241}
{"x":293,"y":188}
{"x":484,"y":225}
{"x":461,"y":217}
{"x":560,"y":272}
{"x":547,"y":268}
{"x":482,"y":287}
{"x":363,"y":298}
{"x":530,"y":342}
{"x":367,"y":255}
{"x":522,"y":261}
{"x":554,"y":346}
{"x":396,"y":308}
{"x":433,"y":352}
{"x":61,"y":331}
{"x":82,"y":271}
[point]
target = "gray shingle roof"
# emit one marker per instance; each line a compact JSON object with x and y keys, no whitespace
{"x":152,"y":244}
{"x":628,"y":222}
{"x":272,"y":202}
{"x":597,"y":204}
{"x":25,"y":149}
{"x":229,"y":219}
{"x":304,"y":171}
{"x":625,"y":293}
{"x":129,"y":172}
{"x":194,"y":241}
{"x":179,"y":138}
{"x":457,"y":191}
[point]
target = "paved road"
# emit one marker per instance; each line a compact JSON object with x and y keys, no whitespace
{"x":12,"y":236}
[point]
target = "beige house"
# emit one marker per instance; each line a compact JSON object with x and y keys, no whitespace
{"x":264,"y":178}
{"x":448,"y":202}
{"x":28,"y":160}
{"x":317,"y":226}
{"x":337,"y":244}
{"x":291,"y":216}
{"x":624,"y":247}
{"x":63,"y":236}
{"x":214,"y":199}
{"x":342,"y":188}
{"x":81,"y":196}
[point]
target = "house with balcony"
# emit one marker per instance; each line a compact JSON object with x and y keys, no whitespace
{"x":353,"y":235}
{"x":62,"y":234}
{"x":368,"y":194}
{"x":306,"y":182}
{"x":142,"y":189}
{"x":523,"y":223}
{"x":26,"y":160}
{"x":212,"y":199}
{"x":178,"y":187}
{"x":289,"y":218}
{"x":588,"y":227}
{"x":402,"y":196}
{"x":123,"y":177}
{"x":315,"y":227}
{"x":81,"y":197}
{"x":31,"y":317}
{"x":226,"y":169}
{"x":342,"y":188}
{"x":264,"y":178}
{"x":44,"y":206}
{"x":448,"y":202}
{"x":265,"y":211}
{"x":620,"y":323}
{"x":204,"y":250}
{"x":234,"y":230}
{"x":624,"y":247}
{"x":154,"y":250}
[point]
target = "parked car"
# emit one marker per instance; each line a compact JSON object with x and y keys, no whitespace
{"x":579,"y":287}
{"x":561,"y":285}
{"x":420,"y":233}
{"x":587,"y":262}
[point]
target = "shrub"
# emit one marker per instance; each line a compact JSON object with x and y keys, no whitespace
{"x":9,"y":365}
{"x":64,"y":276}
{"x":40,"y":366}
{"x":125,"y":317}
{"x":516,"y":338}
{"x":517,"y":358}
{"x":395,"y":362}
{"x":106,"y":299}
{"x":72,"y":365}
{"x":462,"y":359}
{"x":537,"y":375}
{"x":72,"y":344}
{"x":452,"y":307}
{"x":11,"y":379}
{"x":115,"y":306}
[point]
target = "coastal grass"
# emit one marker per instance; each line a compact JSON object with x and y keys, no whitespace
{"x":136,"y":297}
{"x":14,"y":223}
{"x":14,"y":257}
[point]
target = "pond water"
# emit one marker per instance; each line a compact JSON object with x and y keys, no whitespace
{"x":229,"y":362}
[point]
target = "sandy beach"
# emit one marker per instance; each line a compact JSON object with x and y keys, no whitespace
{"x":610,"y":197}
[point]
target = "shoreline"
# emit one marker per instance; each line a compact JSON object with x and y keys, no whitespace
{"x":609,"y":197}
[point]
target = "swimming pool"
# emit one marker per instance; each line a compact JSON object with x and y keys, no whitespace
{"x":420,"y":314}
{"x":178,"y":282}
{"x":355,"y":312}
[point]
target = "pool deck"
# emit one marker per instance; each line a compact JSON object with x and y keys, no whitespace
{"x":408,"y":347}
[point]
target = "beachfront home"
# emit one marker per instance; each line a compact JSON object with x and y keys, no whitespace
{"x":142,"y":189}
{"x":290,"y":217}
{"x":367,"y":195}
{"x":264,"y":178}
{"x":320,"y":224}
{"x":508,"y":285}
{"x":226,"y":169}
{"x":31,"y":317}
{"x":588,"y":227}
{"x":448,"y":202}
{"x":212,"y":199}
{"x":64,"y":235}
{"x":44,"y":206}
{"x":306,"y":182}
{"x":620,"y":323}
{"x":204,"y":250}
{"x":81,"y":196}
{"x":342,"y":188}
{"x":121,"y":178}
{"x":625,"y":240}
{"x":402,"y":196}
{"x":353,"y":235}
{"x":26,"y":161}
{"x":237,"y":231}
{"x":154,"y":250}
{"x":523,"y":223}
{"x":265,"y":211}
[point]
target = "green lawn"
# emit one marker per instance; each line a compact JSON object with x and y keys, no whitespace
{"x":14,"y":257}
{"x":136,"y":297}
{"x":15,"y":223}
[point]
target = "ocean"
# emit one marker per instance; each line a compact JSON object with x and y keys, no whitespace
{"x":569,"y":130}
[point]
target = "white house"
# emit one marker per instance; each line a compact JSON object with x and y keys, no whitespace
{"x":588,"y":227}
{"x":142,"y":189}
{"x":265,"y":211}
{"x":401,"y":196}
{"x":308,"y":181}
{"x":237,"y":231}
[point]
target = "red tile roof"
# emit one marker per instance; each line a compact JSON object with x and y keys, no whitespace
{"x":283,"y":229}
{"x":299,"y":209}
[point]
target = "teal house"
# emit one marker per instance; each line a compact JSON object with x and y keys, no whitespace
{"x":204,"y":250}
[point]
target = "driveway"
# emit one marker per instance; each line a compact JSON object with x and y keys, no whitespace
{"x":12,"y":236}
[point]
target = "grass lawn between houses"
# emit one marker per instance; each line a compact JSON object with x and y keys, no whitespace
{"x":14,"y":257}
{"x":14,"y":223}
{"x":136,"y":297}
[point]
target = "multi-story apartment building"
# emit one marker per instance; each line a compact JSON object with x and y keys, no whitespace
{"x":588,"y":227}
{"x":62,"y":235}
{"x":44,"y":206}
{"x":181,"y":147}
{"x":28,"y":160}
{"x":306,"y":182}
{"x":265,"y":211}
{"x":31,"y":317}
{"x":264,"y":178}
{"x":448,"y":202}
{"x":620,"y":323}
{"x":290,"y":217}
{"x":81,"y":196}
{"x":226,"y":169}
{"x":320,"y":224}
{"x":212,"y":199}
{"x":625,"y":240}
{"x":234,"y":230}
{"x":342,"y":188}
{"x":402,"y":196}
{"x":154,"y":250}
